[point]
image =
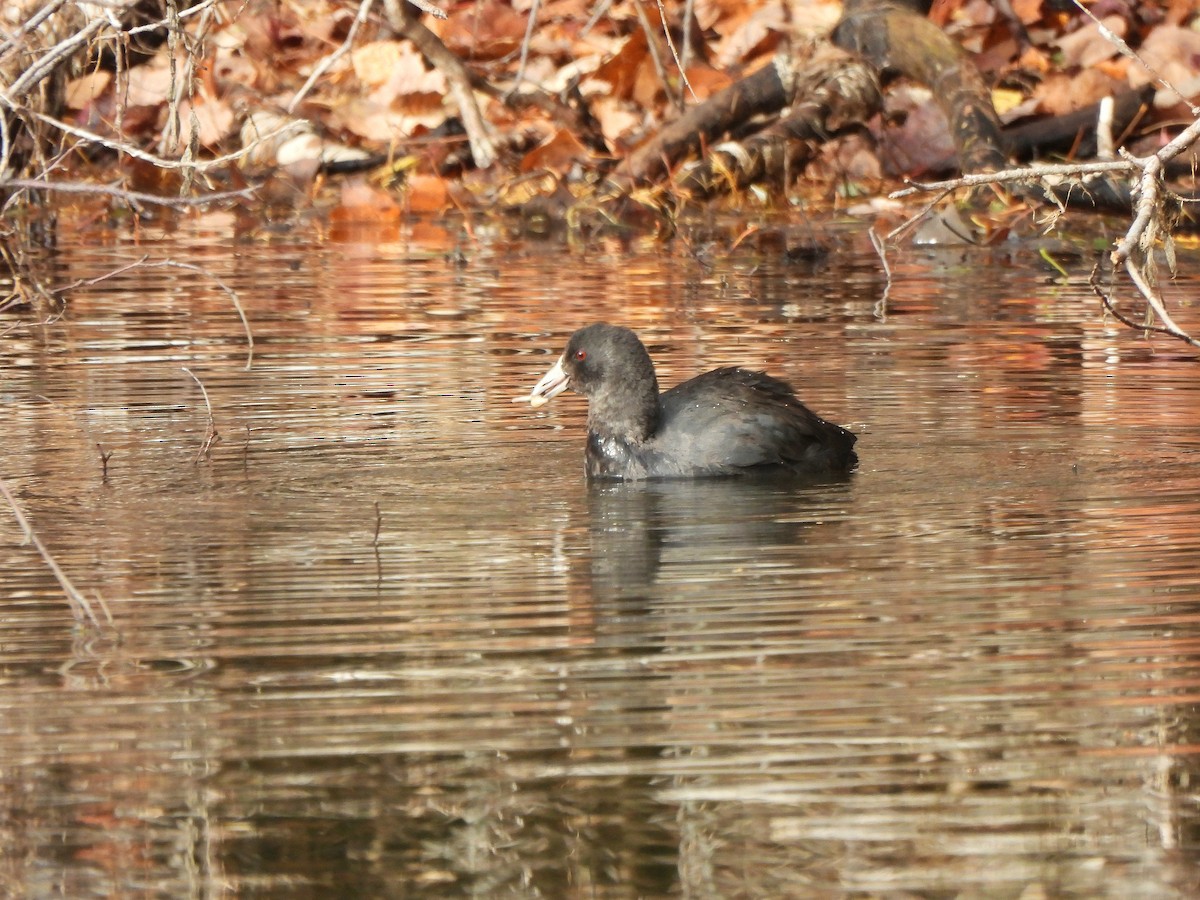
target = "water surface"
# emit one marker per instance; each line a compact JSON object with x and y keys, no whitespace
{"x":384,"y":640}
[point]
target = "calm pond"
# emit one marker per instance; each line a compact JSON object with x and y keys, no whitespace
{"x":386,"y":641}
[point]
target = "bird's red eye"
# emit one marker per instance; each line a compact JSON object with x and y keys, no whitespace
{"x":581,"y":355}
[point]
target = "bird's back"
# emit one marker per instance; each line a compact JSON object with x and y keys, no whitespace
{"x":731,"y":420}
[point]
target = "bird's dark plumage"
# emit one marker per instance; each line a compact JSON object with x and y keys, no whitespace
{"x":728,"y":421}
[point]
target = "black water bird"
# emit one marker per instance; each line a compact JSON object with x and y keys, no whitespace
{"x":729,"y":421}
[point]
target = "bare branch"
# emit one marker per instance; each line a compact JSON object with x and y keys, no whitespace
{"x":131,"y":197}
{"x":427,"y":7}
{"x":1134,"y":252}
{"x":130,"y":150}
{"x":1025,"y":173}
{"x":429,"y":45}
{"x":47,"y":63}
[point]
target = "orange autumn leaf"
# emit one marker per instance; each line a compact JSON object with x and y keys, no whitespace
{"x":706,"y":81}
{"x":362,"y":203}
{"x":1028,"y":11}
{"x":556,"y":155}
{"x":483,"y":31}
{"x":426,"y":194}
{"x":621,"y":70}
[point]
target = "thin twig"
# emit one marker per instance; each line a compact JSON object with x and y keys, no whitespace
{"x":229,"y":292}
{"x":210,"y":435}
{"x":662,"y":15}
{"x":104,"y":458}
{"x":173,"y":264}
{"x":1128,"y":52}
{"x":685,"y":52}
{"x":655,"y":58}
{"x":364,"y":10}
{"x":156,"y":161}
{"x":911,"y":222}
{"x":80,"y":607}
{"x":598,"y":13}
{"x":1025,"y":173}
{"x":525,"y":41}
{"x":30,"y":25}
{"x":130,"y":197}
{"x":45,"y":64}
{"x":881,"y":248}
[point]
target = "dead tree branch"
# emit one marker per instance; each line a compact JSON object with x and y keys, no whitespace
{"x":1134,"y":252}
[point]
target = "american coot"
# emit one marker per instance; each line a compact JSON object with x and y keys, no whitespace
{"x":726,"y":422}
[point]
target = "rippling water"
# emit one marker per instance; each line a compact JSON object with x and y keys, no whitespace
{"x":385,"y":640}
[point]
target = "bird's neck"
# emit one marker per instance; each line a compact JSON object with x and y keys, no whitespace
{"x":628,"y":412}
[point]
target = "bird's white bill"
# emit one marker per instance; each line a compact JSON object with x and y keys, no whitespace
{"x":552,"y":384}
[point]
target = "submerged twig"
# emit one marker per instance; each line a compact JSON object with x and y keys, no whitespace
{"x":81,"y":608}
{"x":375,"y":546}
{"x":174,"y":264}
{"x":1110,"y":306}
{"x":210,"y":435}
{"x":229,"y":292}
{"x":104,"y":458}
{"x":881,"y":248}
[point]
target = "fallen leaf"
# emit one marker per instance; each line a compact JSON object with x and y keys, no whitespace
{"x":426,"y":194}
{"x":558,"y":154}
{"x":482,"y":31}
{"x":361,"y":203}
{"x":1172,"y":52}
{"x":1060,"y":94}
{"x":1028,"y":11}
{"x":921,"y":141}
{"x":213,"y":119}
{"x":621,"y":70}
{"x":374,"y":62}
{"x":1088,"y":46}
{"x":617,"y":119}
{"x":1005,"y":99}
{"x":706,"y":81}
{"x":82,"y":92}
